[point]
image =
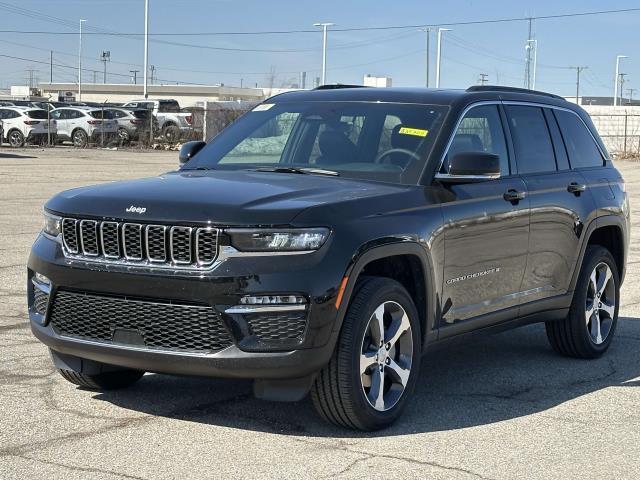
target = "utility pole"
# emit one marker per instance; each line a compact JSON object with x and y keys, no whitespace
{"x":631,"y":90}
{"x":427,"y":32}
{"x":439,"y":54}
{"x":80,"y":63}
{"x":578,"y":71}
{"x":617,"y":79}
{"x":527,"y":66}
{"x":153,"y":73}
{"x":622,"y":75}
{"x":146,"y":46}
{"x":483,"y":79}
{"x":135,"y":76}
{"x":104,"y":58}
{"x":50,"y":66}
{"x":324,"y":26}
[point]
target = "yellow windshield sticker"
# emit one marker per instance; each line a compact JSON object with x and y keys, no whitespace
{"x":416,"y":132}
{"x":263,"y":107}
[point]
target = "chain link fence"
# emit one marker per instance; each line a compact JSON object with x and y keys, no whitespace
{"x":144,"y":125}
{"x":620,"y":132}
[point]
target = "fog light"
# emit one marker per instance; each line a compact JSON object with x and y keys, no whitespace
{"x":273,"y":300}
{"x":41,"y":279}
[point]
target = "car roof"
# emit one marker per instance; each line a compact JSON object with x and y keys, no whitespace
{"x":419,"y":95}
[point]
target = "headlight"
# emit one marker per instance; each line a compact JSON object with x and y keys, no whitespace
{"x":51,"y":225}
{"x":278,"y":240}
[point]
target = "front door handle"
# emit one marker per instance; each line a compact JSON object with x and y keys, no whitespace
{"x":514,"y":196}
{"x":576,"y":188}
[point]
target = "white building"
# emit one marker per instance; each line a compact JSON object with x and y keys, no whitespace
{"x":373,"y":81}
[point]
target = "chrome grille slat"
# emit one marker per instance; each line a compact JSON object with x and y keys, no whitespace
{"x":137,"y":244}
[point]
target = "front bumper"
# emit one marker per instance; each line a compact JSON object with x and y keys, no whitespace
{"x":220,"y":289}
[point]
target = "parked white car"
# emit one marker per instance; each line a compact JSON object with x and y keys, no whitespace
{"x":82,"y":125}
{"x":25,"y":124}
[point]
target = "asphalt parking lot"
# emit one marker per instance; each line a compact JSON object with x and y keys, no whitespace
{"x":503,"y":407}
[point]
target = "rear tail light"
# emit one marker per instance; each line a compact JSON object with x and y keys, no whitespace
{"x":94,"y":122}
{"x":189,"y":119}
{"x":136,"y":121}
{"x":31,"y":122}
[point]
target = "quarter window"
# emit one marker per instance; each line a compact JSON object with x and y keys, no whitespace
{"x":581,"y":148}
{"x":531,"y":139}
{"x":480,"y":131}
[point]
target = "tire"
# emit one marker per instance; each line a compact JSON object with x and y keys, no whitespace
{"x":171,"y":133}
{"x":79,"y":138}
{"x":103,"y":381}
{"x":588,"y":335}
{"x":123,"y":136}
{"x":344,"y":396}
{"x":15,"y":138}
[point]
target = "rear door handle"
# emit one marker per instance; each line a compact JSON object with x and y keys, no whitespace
{"x":514,"y":196}
{"x":576,"y":188}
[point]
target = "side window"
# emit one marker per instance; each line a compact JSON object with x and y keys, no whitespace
{"x":480,"y":131}
{"x":581,"y":148}
{"x":531,"y":139}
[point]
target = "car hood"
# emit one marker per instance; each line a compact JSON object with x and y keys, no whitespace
{"x":219,"y":197}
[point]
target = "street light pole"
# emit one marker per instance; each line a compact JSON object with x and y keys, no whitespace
{"x":324,"y":26}
{"x":80,"y":63}
{"x":427,"y":32}
{"x":615,"y":88}
{"x":146,"y":46}
{"x":439,"y":54}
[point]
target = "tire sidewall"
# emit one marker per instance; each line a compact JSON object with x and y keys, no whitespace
{"x":84,"y":136}
{"x":594,"y":255}
{"x":388,"y":290}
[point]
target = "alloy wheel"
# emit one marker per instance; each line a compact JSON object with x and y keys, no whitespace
{"x":386,"y":356}
{"x":601,"y":303}
{"x":15,"y":139}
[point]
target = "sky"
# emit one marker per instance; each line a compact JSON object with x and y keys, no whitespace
{"x":495,"y":49}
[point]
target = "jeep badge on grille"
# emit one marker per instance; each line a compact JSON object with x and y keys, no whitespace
{"x":133,"y":209}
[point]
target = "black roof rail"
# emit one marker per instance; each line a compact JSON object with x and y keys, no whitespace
{"x":498,"y":88}
{"x":336,"y":86}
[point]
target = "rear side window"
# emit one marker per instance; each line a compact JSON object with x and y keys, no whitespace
{"x":168,"y":106}
{"x":37,"y":114}
{"x":581,"y":148}
{"x":531,"y":139}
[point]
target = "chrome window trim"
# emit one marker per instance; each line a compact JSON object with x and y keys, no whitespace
{"x":95,"y":227}
{"x":190,"y":232}
{"x":197,"y":250}
{"x":164,"y":243}
{"x":507,"y":102}
{"x":104,"y":253}
{"x":242,"y":309}
{"x":124,"y":243}
{"x":75,"y":229}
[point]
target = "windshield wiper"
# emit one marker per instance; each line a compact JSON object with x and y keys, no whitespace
{"x":303,"y":171}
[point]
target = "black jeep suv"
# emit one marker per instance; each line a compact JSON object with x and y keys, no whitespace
{"x":327,"y":239}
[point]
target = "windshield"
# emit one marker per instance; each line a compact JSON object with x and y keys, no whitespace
{"x":378,"y":141}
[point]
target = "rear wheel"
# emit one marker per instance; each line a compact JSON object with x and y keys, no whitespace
{"x":123,"y":136}
{"x":373,"y":371}
{"x":16,"y":138}
{"x":171,"y":133}
{"x":103,"y":381}
{"x":588,"y":330}
{"x":80,"y":138}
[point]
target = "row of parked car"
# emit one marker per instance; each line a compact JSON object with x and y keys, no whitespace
{"x":41,"y":122}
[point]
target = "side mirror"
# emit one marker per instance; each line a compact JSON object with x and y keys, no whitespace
{"x":472,"y":166}
{"x":189,"y":150}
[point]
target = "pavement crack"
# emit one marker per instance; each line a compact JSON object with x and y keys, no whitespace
{"x":78,"y":468}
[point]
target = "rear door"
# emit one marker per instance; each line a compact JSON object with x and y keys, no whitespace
{"x":559,"y":200}
{"x":486,"y":234}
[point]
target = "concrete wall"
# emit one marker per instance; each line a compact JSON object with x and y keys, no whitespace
{"x":619,"y":127}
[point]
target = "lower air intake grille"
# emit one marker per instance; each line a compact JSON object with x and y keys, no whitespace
{"x":277,"y":325}
{"x":156,"y":325}
{"x":40,"y":301}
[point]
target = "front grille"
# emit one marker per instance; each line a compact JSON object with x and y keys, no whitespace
{"x":40,"y":301}
{"x":140,"y":244}
{"x":142,"y":323}
{"x":277,"y":325}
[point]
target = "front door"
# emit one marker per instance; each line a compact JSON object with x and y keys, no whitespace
{"x":486,"y":231}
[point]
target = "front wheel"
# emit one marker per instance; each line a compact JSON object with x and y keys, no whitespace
{"x":373,"y":371}
{"x":588,"y":330}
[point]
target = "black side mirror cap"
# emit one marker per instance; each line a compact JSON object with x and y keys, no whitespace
{"x":475,"y":163}
{"x":189,"y":150}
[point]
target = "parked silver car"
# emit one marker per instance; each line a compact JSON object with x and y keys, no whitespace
{"x":133,"y":124}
